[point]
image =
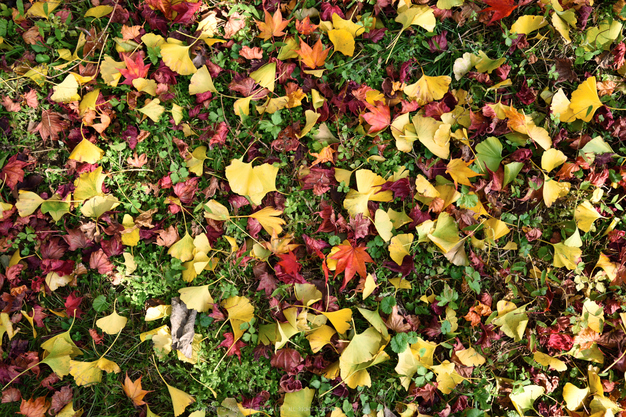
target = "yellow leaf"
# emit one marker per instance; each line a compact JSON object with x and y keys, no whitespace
{"x":270,"y":223}
{"x":320,"y":337}
{"x":447,"y":377}
{"x":68,"y":411}
{"x":216,"y":211}
{"x":433,"y":134}
{"x":585,"y":100}
{"x":239,"y":311}
{"x":399,"y":247}
{"x":528,"y":24}
{"x":428,"y":89}
{"x":177,"y":113}
{"x":486,"y":64}
{"x":66,"y":91}
{"x":110,"y":71}
{"x":130,"y":235}
{"x":460,"y":172}
{"x":353,"y":28}
{"x":176,"y":57}
{"x":183,"y":249}
{"x":593,"y":314}
{"x":340,"y":319}
{"x":98,"y":11}
{"x":608,"y":267}
{"x":574,"y":397}
{"x":146,"y":86}
{"x":585,"y":215}
{"x":86,"y":151}
{"x":398,"y":218}
{"x":547,"y":360}
{"x":561,"y":26}
{"x":180,"y":400}
{"x":449,"y":4}
{"x":446,"y":233}
{"x":418,"y":354}
{"x":495,"y":229}
{"x":311,"y":119}
{"x":153,"y":110}
{"x":265,"y":76}
{"x":152,"y":40}
{"x":368,"y":186}
{"x":201,"y":82}
{"x":86,"y":373}
{"x":469,"y":357}
{"x":112,"y":324}
{"x":38,"y":9}
{"x":383,"y":225}
{"x":158,"y":312}
{"x":566,"y":256}
{"x":342,"y":40}
{"x":369,"y":287}
{"x":553,"y":190}
{"x":27,"y":203}
{"x":400,"y":283}
{"x":552,"y":158}
{"x":196,"y":162}
{"x":425,"y":188}
{"x":252,"y":182}
{"x":98,"y":205}
{"x":298,"y":403}
{"x":513,"y":323}
{"x":89,"y":101}
{"x":418,"y":15}
{"x":525,"y":400}
{"x":197,"y":298}
{"x":307,"y":293}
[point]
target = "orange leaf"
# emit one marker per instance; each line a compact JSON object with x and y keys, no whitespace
{"x":305,"y":27}
{"x":500,"y":8}
{"x":273,"y":25}
{"x":34,"y":408}
{"x":134,"y":390}
{"x":313,"y":57}
{"x":351,"y":260}
{"x":378,"y":118}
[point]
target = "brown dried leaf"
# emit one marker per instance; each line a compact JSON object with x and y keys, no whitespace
{"x":167,"y":237}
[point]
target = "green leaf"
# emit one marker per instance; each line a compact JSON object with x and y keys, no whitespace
{"x":511,"y":170}
{"x":489,"y":153}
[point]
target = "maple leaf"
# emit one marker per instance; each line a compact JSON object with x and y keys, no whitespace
{"x":500,"y":9}
{"x":234,"y":348}
{"x":100,"y":261}
{"x":52,"y":123}
{"x":289,"y":262}
{"x":135,"y":68}
{"x":273,"y":25}
{"x":13,"y":172}
{"x":350,"y":260}
{"x":72,"y":304}
{"x":378,"y":118}
{"x":34,"y":407}
{"x":312,"y":57}
{"x":305,"y":27}
{"x":10,"y":395}
{"x":60,"y":399}
{"x":31,"y":99}
{"x":134,"y":391}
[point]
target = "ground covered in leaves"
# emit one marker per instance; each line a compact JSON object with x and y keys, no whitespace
{"x":312,"y":208}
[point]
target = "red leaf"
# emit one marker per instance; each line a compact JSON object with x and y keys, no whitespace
{"x":72,"y":304}
{"x":352,"y":260}
{"x":186,"y":190}
{"x":378,"y":118}
{"x":185,"y":12}
{"x":234,"y":348}
{"x":500,"y":8}
{"x":34,"y":408}
{"x":100,"y":261}
{"x":135,"y":68}
{"x":61,"y":398}
{"x":287,"y":359}
{"x":10,"y":105}
{"x":31,"y":99}
{"x":10,"y":395}
{"x":97,"y":338}
{"x":13,"y":172}
{"x":52,"y":123}
{"x":289,"y":262}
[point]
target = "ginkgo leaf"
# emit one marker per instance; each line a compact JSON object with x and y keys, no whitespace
{"x":547,"y":360}
{"x":449,"y":4}
{"x":489,"y":153}
{"x":239,"y":311}
{"x":383,"y":225}
{"x":446,"y":233}
{"x":176,"y":56}
{"x":585,"y":214}
{"x":196,"y":162}
{"x":267,"y":216}
{"x":560,"y":23}
{"x":86,"y":151}
{"x":153,"y":110}
{"x":265,"y":76}
{"x":585,"y":100}
{"x":342,"y":40}
{"x":130,"y":235}
{"x":420,"y":15}
{"x":469,"y":357}
{"x":180,"y":400}
{"x":340,"y":319}
{"x":424,"y":188}
{"x":254,"y":182}
{"x":524,"y":124}
{"x":513,"y":323}
{"x":89,"y":101}
{"x":460,"y":171}
{"x":98,"y":11}
{"x":112,"y":324}
{"x":553,"y":190}
{"x":485,"y":64}
{"x":433,"y":134}
{"x":43,"y":8}
{"x":419,"y":354}
{"x":183,"y":249}
{"x":58,"y":355}
{"x":86,"y":373}
{"x":525,"y":400}
{"x":574,"y":397}
{"x":399,"y":247}
{"x":552,"y":158}
{"x":66,"y":91}
{"x":98,"y":205}
{"x":27,"y":203}
{"x":201,"y":82}
{"x":428,"y":89}
{"x":368,"y":189}
{"x":197,"y":298}
{"x":216,"y":211}
{"x":369,"y":287}
{"x":447,"y":377}
{"x":495,"y":229}
{"x":527,"y":24}
{"x":297,"y":403}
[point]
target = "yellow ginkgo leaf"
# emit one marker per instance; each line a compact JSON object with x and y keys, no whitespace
{"x":418,"y":15}
{"x":27,"y":203}
{"x":86,"y":151}
{"x":469,"y":357}
{"x":342,"y":40}
{"x":353,"y":28}
{"x":197,"y":298}
{"x":460,"y":171}
{"x":177,"y":113}
{"x":68,"y":411}
{"x":66,"y":91}
{"x":320,"y":337}
{"x":449,"y":4}
{"x":561,"y":105}
{"x":566,"y":256}
{"x":424,"y":188}
{"x":183,"y":249}
{"x":112,"y":324}
{"x":433,"y":134}
{"x":146,"y":86}
{"x":129,"y":263}
{"x":297,"y":403}
{"x":89,"y":101}
{"x":130,"y":235}
{"x":158,"y":312}
{"x":446,"y":233}
{"x":254,"y":182}
{"x":513,"y":323}
{"x":86,"y":373}
{"x":610,"y":268}
{"x":110,"y":71}
{"x":239,"y":311}
{"x":216,"y":211}
{"x":43,"y":8}
{"x":585,"y":100}
{"x":428,"y":89}
{"x":447,"y":377}
{"x":176,"y":56}
{"x":559,"y":21}
{"x":399,"y":247}
{"x":340,"y":319}
{"x":368,"y":189}
{"x":585,"y":214}
{"x":553,"y":190}
{"x":265,"y":76}
{"x":552,"y":158}
{"x":180,"y":400}
{"x":528,"y":24}
{"x":574,"y":397}
{"x":383,"y":225}
{"x":98,"y":11}
{"x":98,"y":205}
{"x":525,"y":400}
{"x":495,"y":229}
{"x":547,"y":360}
{"x":419,"y":354}
{"x":369,"y":287}
{"x":196,"y":162}
{"x":267,"y":216}
{"x":153,"y":110}
{"x":201,"y":82}
{"x":311,"y":119}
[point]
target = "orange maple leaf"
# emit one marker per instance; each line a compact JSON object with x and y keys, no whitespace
{"x":313,"y":57}
{"x":351,"y":260}
{"x":34,"y":407}
{"x":378,"y":118}
{"x":305,"y":27}
{"x":500,"y":9}
{"x":134,"y":391}
{"x":273,"y":25}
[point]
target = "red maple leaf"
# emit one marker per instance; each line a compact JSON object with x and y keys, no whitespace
{"x":72,"y":304}
{"x":186,"y":12}
{"x":135,"y":68}
{"x":500,"y":9}
{"x":234,"y":348}
{"x":352,"y":260}
{"x":100,"y":261}
{"x":13,"y":172}
{"x":378,"y":118}
{"x":289,"y":262}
